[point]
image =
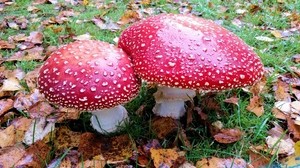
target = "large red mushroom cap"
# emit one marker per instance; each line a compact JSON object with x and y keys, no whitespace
{"x":185,"y":51}
{"x":88,"y":75}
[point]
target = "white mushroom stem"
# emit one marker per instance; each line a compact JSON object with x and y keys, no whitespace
{"x":108,"y":120}
{"x":170,"y":101}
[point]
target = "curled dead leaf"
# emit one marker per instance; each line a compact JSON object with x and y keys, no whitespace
{"x":10,"y":155}
{"x":164,"y":126}
{"x":5,"y":105}
{"x":35,"y":155}
{"x":227,"y":136}
{"x":163,"y":157}
{"x":6,"y":45}
{"x":256,"y":106}
{"x":215,"y":162}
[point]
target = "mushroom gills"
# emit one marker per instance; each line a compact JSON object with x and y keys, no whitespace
{"x":170,"y":101}
{"x":108,"y":120}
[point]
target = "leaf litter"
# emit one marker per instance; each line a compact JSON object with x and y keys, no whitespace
{"x":25,"y":107}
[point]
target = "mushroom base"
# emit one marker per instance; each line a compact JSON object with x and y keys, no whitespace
{"x":170,"y":101}
{"x":108,"y":120}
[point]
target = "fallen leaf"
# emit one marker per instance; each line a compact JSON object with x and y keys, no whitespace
{"x":296,"y":58}
{"x":276,"y":33}
{"x":227,"y":136}
{"x":96,"y":162}
{"x":114,"y":150}
{"x":6,"y":45}
{"x":35,"y":155}
{"x":7,"y":136}
{"x":129,"y":16}
{"x":65,"y":138}
{"x":281,"y":90}
{"x":232,"y":100}
{"x":31,"y":79}
{"x":163,"y":157}
{"x":35,"y":37}
{"x":164,"y":126}
{"x":85,"y":36}
{"x":264,"y":38}
{"x":35,"y":53}
{"x":25,"y":101}
{"x":279,"y":142}
{"x":70,"y":160}
{"x":215,"y":162}
{"x":10,"y":155}
{"x":258,"y":160}
{"x":106,"y":24}
{"x":283,"y":106}
{"x":40,"y":109}
{"x":278,"y":114}
{"x":256,"y":106}
{"x":294,"y":129}
{"x":38,"y":130}
{"x":62,"y":114}
{"x":21,"y":126}
{"x":5,"y":105}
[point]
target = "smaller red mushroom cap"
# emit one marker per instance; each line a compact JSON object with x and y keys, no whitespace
{"x":189,"y":52}
{"x":88,"y":75}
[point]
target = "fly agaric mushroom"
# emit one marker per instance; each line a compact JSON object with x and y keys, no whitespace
{"x":184,"y":53}
{"x":90,"y":75}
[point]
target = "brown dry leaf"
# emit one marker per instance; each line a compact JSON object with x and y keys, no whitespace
{"x":35,"y":155}
{"x":257,"y":159}
{"x":254,"y":8}
{"x":17,"y":38}
{"x":69,"y":161}
{"x":164,"y":126}
{"x":163,"y":157}
{"x":215,"y":162}
{"x":35,"y":53}
{"x":10,"y":155}
{"x":296,"y":58}
{"x":6,"y":105}
{"x":278,"y":114}
{"x":106,"y":24}
{"x":279,"y":142}
{"x":40,"y":109}
{"x":294,"y":129}
{"x":129,"y":16}
{"x":227,"y":136}
{"x":6,"y":45}
{"x":63,"y":114}
{"x":65,"y":138}
{"x":35,"y":37}
{"x":7,"y":136}
{"x":11,"y":84}
{"x":232,"y":100}
{"x":256,"y":106}
{"x":276,"y":33}
{"x":31,"y":79}
{"x":281,"y":91}
{"x":21,"y":126}
{"x":96,"y":162}
{"x":25,"y":101}
{"x":114,"y":149}
{"x":39,"y":129}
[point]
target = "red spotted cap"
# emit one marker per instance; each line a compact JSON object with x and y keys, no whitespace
{"x":88,"y":75}
{"x":189,"y":52}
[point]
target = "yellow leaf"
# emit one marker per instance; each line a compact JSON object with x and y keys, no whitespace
{"x":163,"y":157}
{"x":85,"y":2}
